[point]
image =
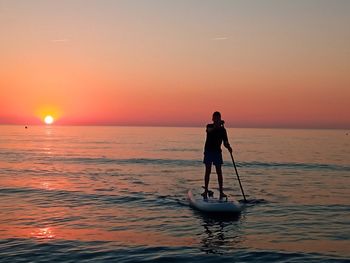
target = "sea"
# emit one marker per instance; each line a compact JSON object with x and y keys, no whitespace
{"x":119,"y":194}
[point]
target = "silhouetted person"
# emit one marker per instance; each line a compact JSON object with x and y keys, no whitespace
{"x":216,"y":134}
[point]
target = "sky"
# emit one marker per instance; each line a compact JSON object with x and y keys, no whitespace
{"x":264,"y":64}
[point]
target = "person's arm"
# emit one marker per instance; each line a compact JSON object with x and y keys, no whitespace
{"x":228,"y":146}
{"x":226,"y":143}
{"x":209,"y":128}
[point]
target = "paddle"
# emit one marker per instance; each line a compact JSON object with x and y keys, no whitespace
{"x":234,"y":165}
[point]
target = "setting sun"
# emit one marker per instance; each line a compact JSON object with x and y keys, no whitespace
{"x":48,"y":119}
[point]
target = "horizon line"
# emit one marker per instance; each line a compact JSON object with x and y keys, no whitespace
{"x":175,"y":126}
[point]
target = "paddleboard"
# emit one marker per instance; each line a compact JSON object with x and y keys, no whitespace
{"x":213,"y":205}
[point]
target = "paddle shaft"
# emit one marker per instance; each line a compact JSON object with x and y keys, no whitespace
{"x":234,"y":165}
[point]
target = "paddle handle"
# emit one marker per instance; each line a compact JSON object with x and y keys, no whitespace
{"x":240,"y":184}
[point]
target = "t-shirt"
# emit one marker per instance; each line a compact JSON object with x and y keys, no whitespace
{"x":215,"y":136}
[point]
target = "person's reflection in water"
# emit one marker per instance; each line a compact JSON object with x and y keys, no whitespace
{"x":220,"y":236}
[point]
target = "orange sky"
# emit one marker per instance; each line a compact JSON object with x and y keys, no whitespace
{"x":261,"y":63}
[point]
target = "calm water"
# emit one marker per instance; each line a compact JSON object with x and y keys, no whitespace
{"x":118,"y":194}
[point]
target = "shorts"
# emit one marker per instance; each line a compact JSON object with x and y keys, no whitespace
{"x":213,"y":158}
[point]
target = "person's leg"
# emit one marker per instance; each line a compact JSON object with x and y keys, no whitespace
{"x":218,"y":163}
{"x":206,"y":178}
{"x":220,"y":179}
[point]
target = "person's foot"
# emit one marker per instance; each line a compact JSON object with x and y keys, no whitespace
{"x":205,"y":194}
{"x":223,"y":196}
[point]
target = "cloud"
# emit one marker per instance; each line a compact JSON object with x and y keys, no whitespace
{"x":60,"y":40}
{"x":220,"y":38}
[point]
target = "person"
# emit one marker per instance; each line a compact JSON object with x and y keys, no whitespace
{"x":216,"y":134}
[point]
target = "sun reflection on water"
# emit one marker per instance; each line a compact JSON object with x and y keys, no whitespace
{"x":43,"y":233}
{"x":46,"y":186}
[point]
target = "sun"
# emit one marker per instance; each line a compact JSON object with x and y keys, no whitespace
{"x":48,"y":119}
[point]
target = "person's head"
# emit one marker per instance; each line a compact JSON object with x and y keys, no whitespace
{"x":217,"y":117}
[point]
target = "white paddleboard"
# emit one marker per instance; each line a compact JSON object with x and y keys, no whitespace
{"x":213,"y":205}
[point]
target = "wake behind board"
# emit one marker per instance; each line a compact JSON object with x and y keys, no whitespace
{"x":213,"y":205}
